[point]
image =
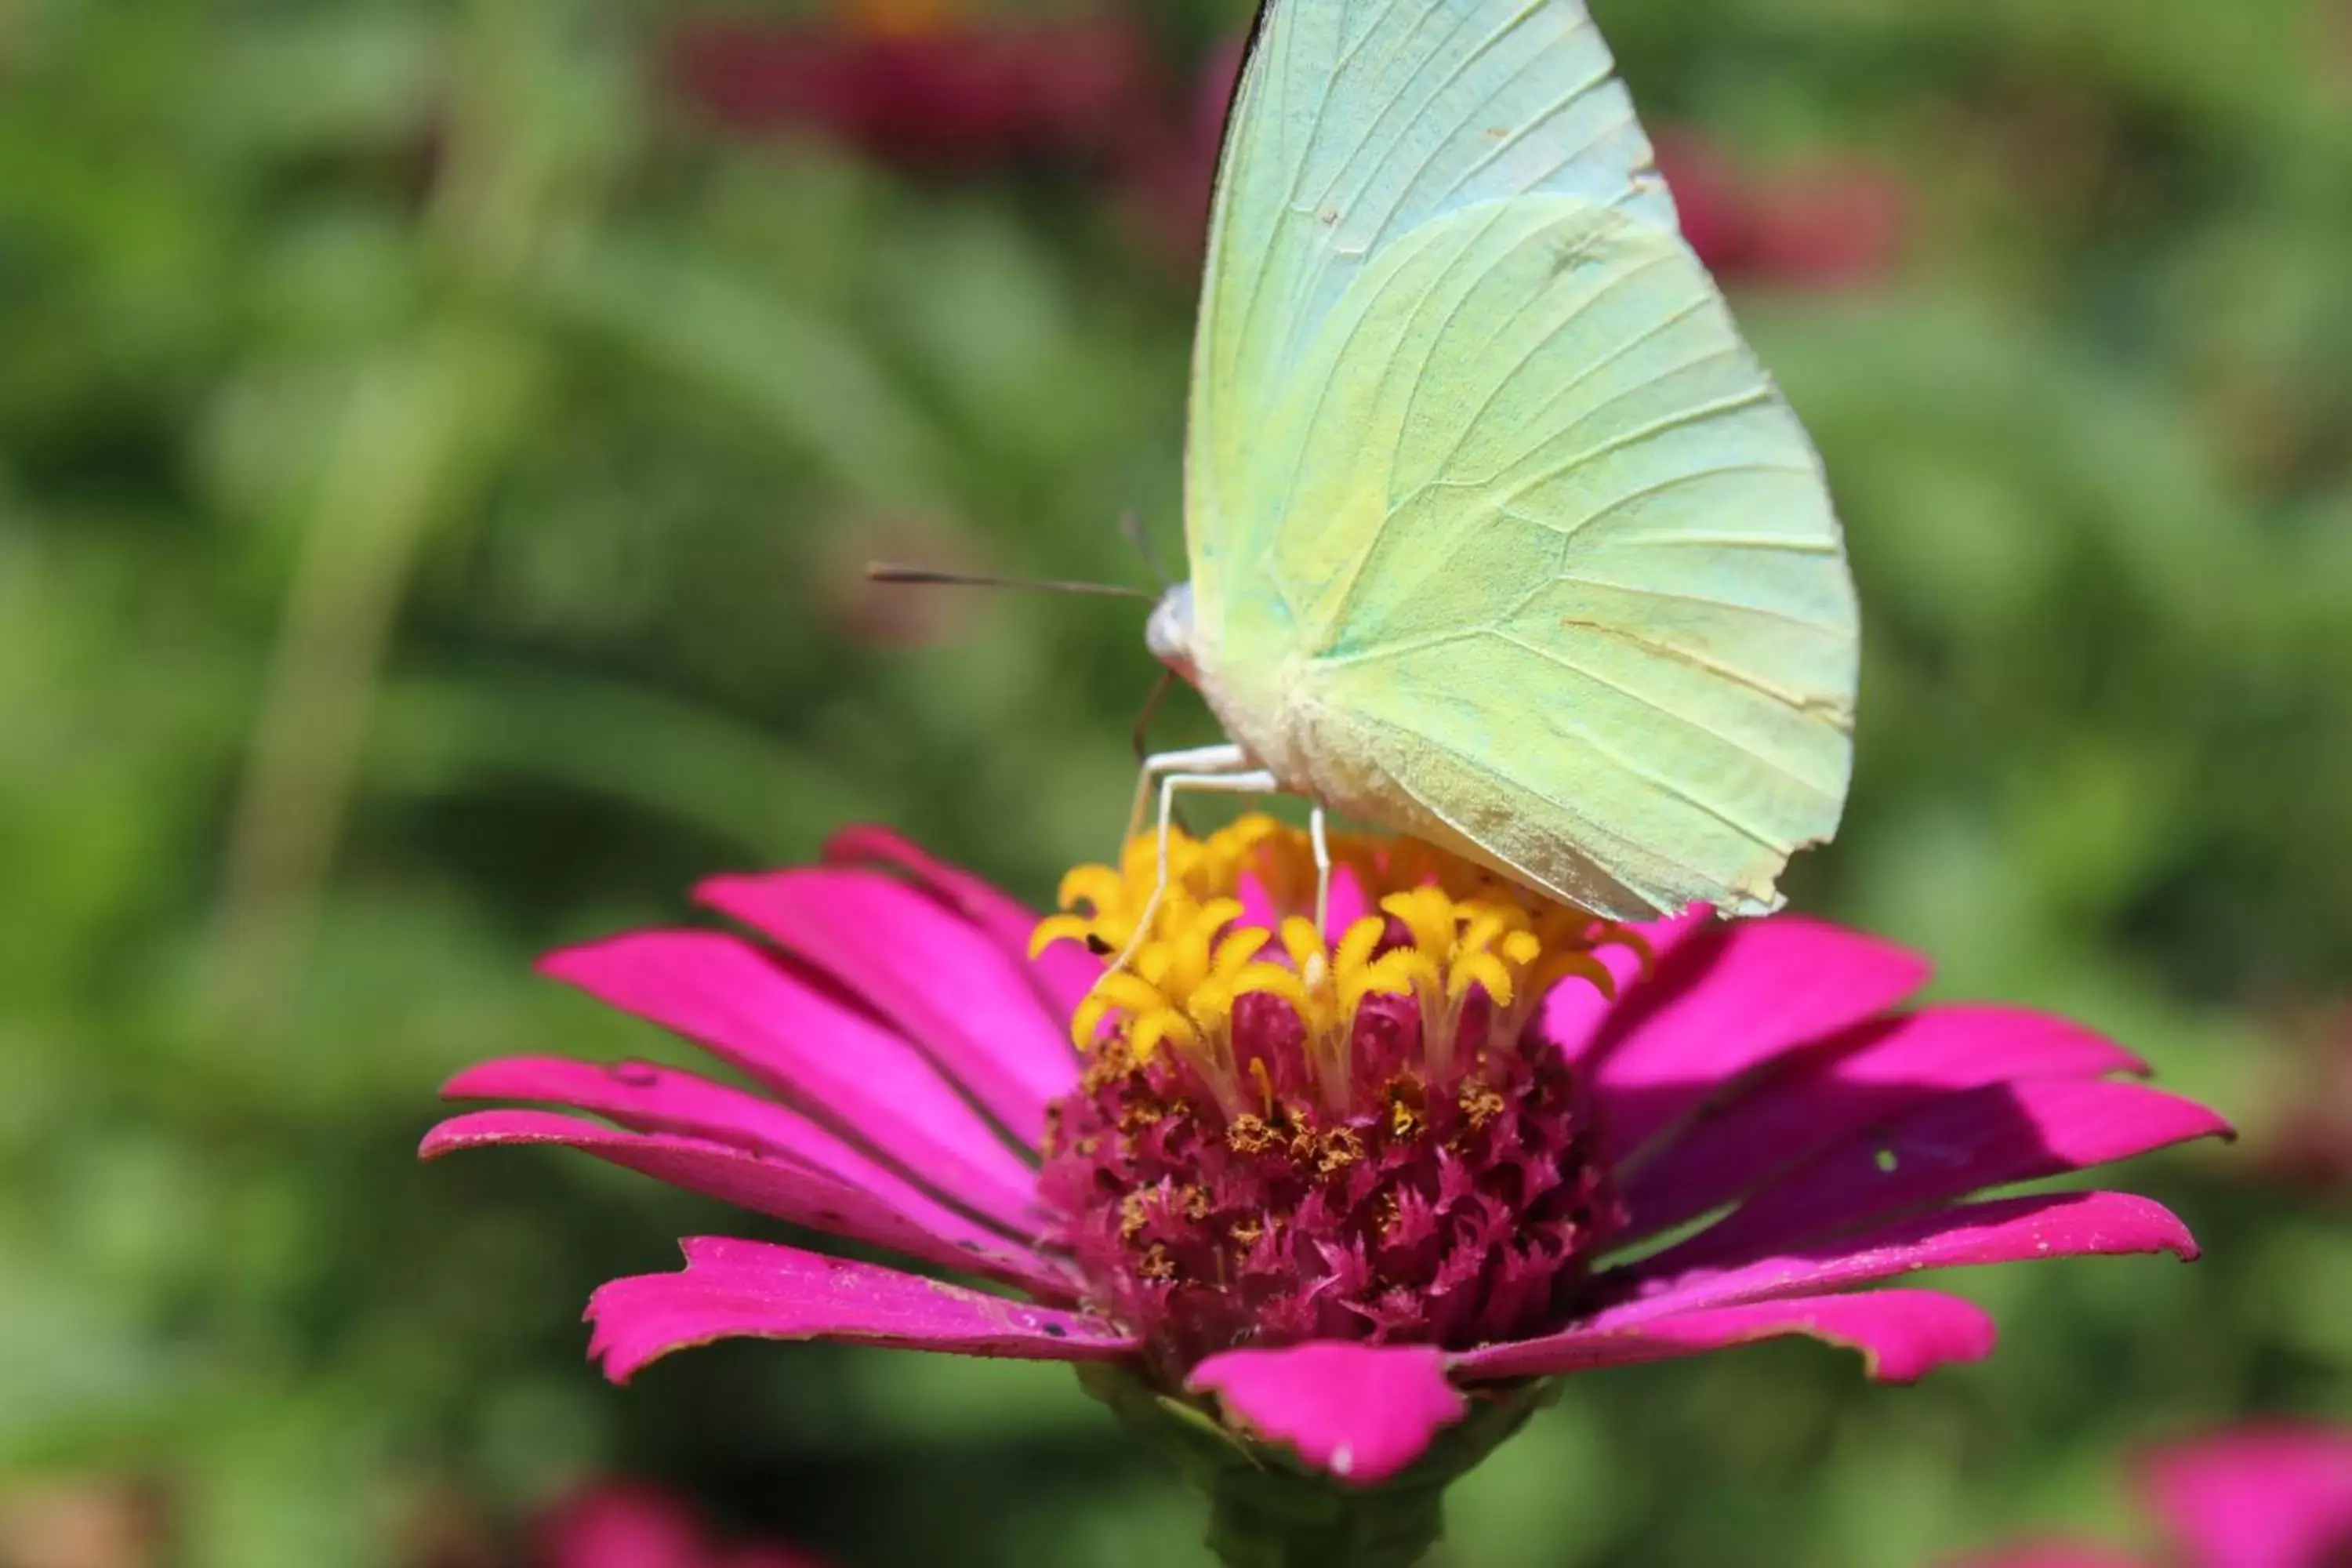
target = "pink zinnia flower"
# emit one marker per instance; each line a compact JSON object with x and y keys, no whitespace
{"x":1332,"y":1192}
{"x":2277,"y":1496}
{"x":927,"y":86}
{"x":1829,"y":222}
{"x":939,"y":88}
{"x":634,"y":1524}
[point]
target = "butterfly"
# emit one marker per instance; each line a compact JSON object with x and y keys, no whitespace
{"x":1499,"y":535}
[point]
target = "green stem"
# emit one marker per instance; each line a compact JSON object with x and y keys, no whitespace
{"x":1273,"y":1518}
{"x":1268,"y":1510}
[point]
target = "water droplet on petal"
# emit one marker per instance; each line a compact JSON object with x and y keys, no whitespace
{"x":635,"y":1074}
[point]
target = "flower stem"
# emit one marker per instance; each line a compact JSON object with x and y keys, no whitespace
{"x":1276,"y":1518}
{"x":1268,"y":1510}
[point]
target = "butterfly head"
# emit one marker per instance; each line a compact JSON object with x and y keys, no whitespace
{"x":1169,"y":633}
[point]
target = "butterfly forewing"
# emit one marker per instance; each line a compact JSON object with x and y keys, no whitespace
{"x":1481,"y":460}
{"x":1356,"y":122}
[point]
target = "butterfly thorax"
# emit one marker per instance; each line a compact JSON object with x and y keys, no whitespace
{"x":1169,"y":633}
{"x":1266,"y":700}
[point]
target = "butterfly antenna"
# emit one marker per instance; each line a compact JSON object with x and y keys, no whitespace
{"x":1130,"y":527}
{"x":884,"y":572}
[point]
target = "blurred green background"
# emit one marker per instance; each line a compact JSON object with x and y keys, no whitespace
{"x":438,"y":447}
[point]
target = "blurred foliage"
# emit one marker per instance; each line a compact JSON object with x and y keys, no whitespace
{"x":435,"y":460}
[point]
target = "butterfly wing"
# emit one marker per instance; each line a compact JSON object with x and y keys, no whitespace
{"x":1357,"y":122}
{"x":1500,"y":535}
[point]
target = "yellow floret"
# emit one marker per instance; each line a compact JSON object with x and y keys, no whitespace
{"x":1467,"y":931}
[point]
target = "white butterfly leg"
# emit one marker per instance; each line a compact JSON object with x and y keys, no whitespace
{"x":1240,"y":781}
{"x":1320,"y":834}
{"x":1219,"y":760}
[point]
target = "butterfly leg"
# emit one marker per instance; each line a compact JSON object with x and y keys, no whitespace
{"x":1213,"y":760}
{"x":1240,"y":781}
{"x":1318,"y":832}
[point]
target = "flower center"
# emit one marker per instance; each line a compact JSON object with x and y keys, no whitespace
{"x":1286,"y":1132}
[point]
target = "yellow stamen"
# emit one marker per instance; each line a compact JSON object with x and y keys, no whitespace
{"x":1463,"y":930}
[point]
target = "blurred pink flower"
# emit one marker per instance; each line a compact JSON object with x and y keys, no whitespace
{"x":1168,"y":169}
{"x":1832,"y":222}
{"x":2273,"y":1496}
{"x":632,"y":1524}
{"x":942,"y":90}
{"x":1338,"y":1184}
{"x":936,"y":90}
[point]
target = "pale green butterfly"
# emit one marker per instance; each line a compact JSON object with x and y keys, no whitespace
{"x":1499,"y":537}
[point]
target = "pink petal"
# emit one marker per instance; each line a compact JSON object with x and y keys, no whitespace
{"x":621,"y":1524}
{"x":2005,"y":1230}
{"x":816,"y":1051}
{"x":1901,"y":1335}
{"x":1063,"y":974}
{"x":648,"y":1098}
{"x":1727,"y":1000}
{"x":1946,"y":1149}
{"x":1258,"y":908}
{"x":2261,"y":1496}
{"x":1347,"y":905}
{"x":1360,"y":1411}
{"x":935,"y":976}
{"x":1575,"y":1017}
{"x":1881,"y":1070}
{"x":770,"y":1184}
{"x":736,"y":1289}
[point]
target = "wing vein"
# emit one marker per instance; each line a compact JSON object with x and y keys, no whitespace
{"x":1487,"y":404}
{"x":1682,"y":656}
{"x":1438,"y":147}
{"x":1646,"y":492}
{"x":1698,"y":413}
{"x":1826,"y":628}
{"x":1601,"y":748}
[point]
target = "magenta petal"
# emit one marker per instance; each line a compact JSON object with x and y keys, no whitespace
{"x":1728,"y":1000}
{"x":1346,"y":906}
{"x":1576,"y":1017}
{"x":733,"y":1289}
{"x":822,"y":1055}
{"x":2004,"y":1230}
{"x":1063,"y":974}
{"x":1360,"y":1411}
{"x":1887,"y":1069}
{"x":935,"y":976}
{"x":2264,"y":1497}
{"x":1257,"y":905}
{"x":621,"y":1524}
{"x":1901,"y":1335}
{"x":647,"y":1099}
{"x":770,"y":1184}
{"x":1946,"y":1149}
